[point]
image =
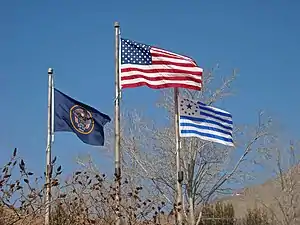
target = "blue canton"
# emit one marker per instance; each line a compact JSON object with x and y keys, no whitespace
{"x":135,"y":53}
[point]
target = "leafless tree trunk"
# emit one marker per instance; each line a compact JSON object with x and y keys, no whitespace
{"x":149,"y":153}
{"x":285,"y":196}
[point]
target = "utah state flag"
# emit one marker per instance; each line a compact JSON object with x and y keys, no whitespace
{"x":85,"y":121}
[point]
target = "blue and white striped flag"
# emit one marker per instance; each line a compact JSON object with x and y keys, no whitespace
{"x":208,"y":123}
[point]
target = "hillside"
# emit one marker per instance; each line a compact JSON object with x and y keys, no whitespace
{"x":280,"y":196}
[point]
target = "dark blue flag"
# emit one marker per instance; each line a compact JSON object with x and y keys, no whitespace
{"x":83,"y":120}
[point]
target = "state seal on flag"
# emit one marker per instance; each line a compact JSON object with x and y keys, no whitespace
{"x":81,"y":119}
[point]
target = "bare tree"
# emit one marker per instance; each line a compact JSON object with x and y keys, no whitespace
{"x":22,"y":193}
{"x":284,"y":192}
{"x":148,"y":153}
{"x":87,"y":197}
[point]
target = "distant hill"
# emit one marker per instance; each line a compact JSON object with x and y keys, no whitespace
{"x":277,"y":196}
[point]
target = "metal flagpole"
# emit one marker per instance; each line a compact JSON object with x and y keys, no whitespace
{"x":178,"y":165}
{"x":48,"y":150}
{"x":117,"y":123}
{"x":52,"y":112}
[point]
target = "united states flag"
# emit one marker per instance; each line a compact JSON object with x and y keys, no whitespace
{"x":144,"y":65}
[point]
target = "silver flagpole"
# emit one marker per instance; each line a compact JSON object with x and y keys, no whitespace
{"x":178,"y":165}
{"x":48,"y":150}
{"x":52,"y":108}
{"x":117,"y":124}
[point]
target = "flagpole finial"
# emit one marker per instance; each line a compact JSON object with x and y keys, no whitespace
{"x":50,"y":71}
{"x":117,"y":24}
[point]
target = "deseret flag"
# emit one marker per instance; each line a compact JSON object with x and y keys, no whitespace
{"x":145,"y":65}
{"x":197,"y":119}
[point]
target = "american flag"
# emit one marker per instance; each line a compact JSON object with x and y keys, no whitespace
{"x":144,"y":65}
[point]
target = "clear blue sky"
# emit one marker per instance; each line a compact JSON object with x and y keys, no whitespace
{"x":76,"y":38}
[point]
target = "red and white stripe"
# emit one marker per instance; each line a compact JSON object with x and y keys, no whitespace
{"x":168,"y":70}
